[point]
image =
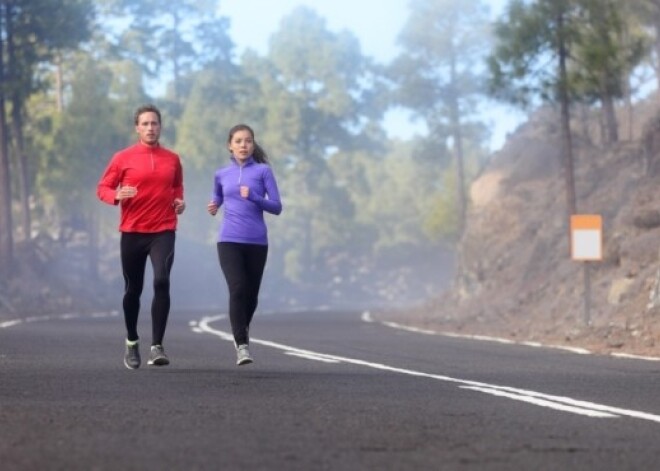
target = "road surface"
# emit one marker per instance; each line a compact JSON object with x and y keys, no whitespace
{"x":328,"y":391}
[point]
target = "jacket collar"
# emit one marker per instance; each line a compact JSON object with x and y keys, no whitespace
{"x":249,"y":161}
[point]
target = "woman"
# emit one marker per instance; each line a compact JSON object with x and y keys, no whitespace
{"x":247,"y":188}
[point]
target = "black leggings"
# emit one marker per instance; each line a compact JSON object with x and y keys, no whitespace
{"x":243,"y":266}
{"x":135,"y":248}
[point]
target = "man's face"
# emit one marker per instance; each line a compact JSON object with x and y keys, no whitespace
{"x":148,"y":128}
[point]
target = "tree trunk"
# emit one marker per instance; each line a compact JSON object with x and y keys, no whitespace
{"x":6,"y":225}
{"x":460,"y":169}
{"x":655,"y":16}
{"x":17,"y":129}
{"x":609,"y":117}
{"x":656,"y":46}
{"x":59,"y":83}
{"x":308,"y":228}
{"x":567,"y":144}
{"x":584,"y":122}
{"x":458,"y":150}
{"x":23,"y":178}
{"x":569,"y":164}
{"x":176,"y":73}
{"x":630,"y":112}
{"x":93,"y":260}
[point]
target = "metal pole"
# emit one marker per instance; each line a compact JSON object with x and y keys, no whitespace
{"x":587,"y":294}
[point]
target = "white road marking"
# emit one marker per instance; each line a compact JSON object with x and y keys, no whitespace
{"x":566,"y":404}
{"x":61,"y":317}
{"x":635,"y":357}
{"x":366,"y":317}
{"x":11,"y":323}
{"x":312,"y":357}
{"x":541,"y":402}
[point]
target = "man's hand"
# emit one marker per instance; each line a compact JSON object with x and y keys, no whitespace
{"x":179,"y":206}
{"x":125,"y":192}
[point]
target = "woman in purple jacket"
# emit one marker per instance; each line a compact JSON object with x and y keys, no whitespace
{"x":246,"y":187}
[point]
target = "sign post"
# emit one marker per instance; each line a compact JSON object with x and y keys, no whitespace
{"x":587,"y":246}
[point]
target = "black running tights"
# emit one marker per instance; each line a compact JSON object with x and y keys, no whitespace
{"x":243,"y":266}
{"x":135,"y":248}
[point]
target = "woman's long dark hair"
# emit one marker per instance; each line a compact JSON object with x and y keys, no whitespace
{"x":259,"y":154}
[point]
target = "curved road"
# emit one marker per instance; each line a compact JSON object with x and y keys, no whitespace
{"x":328,"y":390}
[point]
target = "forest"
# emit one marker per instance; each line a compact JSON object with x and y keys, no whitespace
{"x":367,"y":219}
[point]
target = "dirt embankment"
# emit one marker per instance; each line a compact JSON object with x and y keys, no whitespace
{"x":515,"y":278}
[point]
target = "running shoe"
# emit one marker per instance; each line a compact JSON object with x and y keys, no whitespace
{"x":132,"y":358}
{"x":243,"y":356}
{"x":157,"y":356}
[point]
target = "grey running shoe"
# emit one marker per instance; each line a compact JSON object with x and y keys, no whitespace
{"x":157,"y":356}
{"x":243,"y":356}
{"x":132,"y":358}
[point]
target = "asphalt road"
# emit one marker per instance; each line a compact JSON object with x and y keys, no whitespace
{"x":327,"y":391}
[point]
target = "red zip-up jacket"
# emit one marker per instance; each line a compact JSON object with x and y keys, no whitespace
{"x":157,"y":174}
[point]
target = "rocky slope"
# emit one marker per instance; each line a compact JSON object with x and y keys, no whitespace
{"x":515,"y":278}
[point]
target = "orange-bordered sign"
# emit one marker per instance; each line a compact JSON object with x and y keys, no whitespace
{"x":586,"y":237}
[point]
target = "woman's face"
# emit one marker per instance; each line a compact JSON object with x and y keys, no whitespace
{"x":241,"y":145}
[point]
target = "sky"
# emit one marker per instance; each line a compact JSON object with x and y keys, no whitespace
{"x":376,"y":23}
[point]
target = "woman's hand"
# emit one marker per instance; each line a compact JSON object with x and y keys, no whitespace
{"x":212,"y":208}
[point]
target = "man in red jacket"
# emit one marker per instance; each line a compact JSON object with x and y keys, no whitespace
{"x":146,"y":181}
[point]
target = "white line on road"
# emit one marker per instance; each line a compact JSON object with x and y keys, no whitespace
{"x":366,"y":317}
{"x":545,"y":400}
{"x":312,"y":357}
{"x":61,"y":317}
{"x":565,"y":404}
{"x":541,"y":402}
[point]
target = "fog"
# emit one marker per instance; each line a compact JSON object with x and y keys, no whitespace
{"x":398,"y":278}
{"x":370,"y":215}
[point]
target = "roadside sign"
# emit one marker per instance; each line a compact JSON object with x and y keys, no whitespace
{"x":586,"y":237}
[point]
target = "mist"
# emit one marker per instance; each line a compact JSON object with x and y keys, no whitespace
{"x":370,"y":220}
{"x":348,"y":279}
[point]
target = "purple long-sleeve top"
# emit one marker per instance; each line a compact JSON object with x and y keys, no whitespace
{"x":243,"y":219}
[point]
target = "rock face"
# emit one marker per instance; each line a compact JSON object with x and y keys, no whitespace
{"x":515,"y":277}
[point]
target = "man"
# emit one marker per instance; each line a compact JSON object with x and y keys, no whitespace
{"x":146,"y":181}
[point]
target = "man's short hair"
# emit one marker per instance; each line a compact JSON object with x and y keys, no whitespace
{"x":146,"y":109}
